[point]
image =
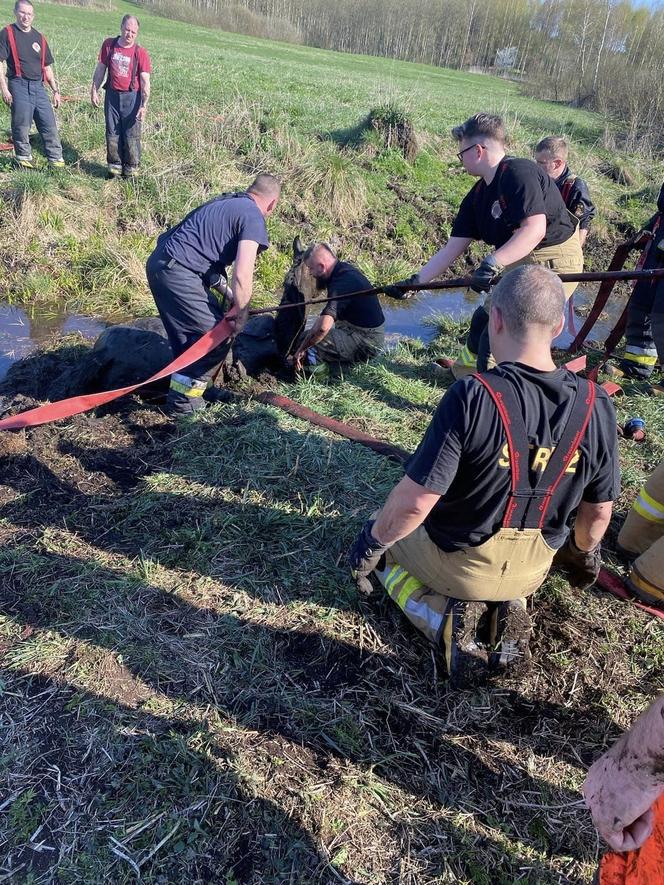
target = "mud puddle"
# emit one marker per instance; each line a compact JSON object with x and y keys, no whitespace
{"x":22,"y":332}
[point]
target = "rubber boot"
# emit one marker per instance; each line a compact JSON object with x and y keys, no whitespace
{"x":465,"y":657}
{"x":510,"y":632}
{"x":185,"y":395}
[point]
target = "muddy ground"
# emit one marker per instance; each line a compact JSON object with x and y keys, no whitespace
{"x":193,"y":691}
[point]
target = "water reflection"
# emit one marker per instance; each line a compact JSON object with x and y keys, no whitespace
{"x":22,"y":333}
{"x":407,"y":318}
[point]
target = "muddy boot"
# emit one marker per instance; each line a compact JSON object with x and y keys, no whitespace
{"x":511,"y":629}
{"x":465,"y":657}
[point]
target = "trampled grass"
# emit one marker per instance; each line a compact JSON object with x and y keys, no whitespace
{"x":225,"y":106}
{"x":193,"y":690}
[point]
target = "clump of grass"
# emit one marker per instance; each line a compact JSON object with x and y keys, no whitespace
{"x":332,"y":179}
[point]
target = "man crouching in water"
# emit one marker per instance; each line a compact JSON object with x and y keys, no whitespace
{"x":509,"y":458}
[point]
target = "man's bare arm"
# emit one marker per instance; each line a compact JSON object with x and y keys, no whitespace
{"x":145,"y":96}
{"x":446,"y":256}
{"x":4,"y":88}
{"x":49,"y":76}
{"x":525,"y":238}
{"x":243,"y":279}
{"x":406,"y":508}
{"x":97,"y":80}
{"x":592,"y":521}
{"x":320,"y":330}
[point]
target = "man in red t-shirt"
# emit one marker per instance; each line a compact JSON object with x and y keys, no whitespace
{"x":127,"y":69}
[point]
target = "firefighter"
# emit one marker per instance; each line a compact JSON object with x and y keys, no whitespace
{"x":127,"y":69}
{"x":625,"y":793}
{"x":348,"y":330}
{"x":515,"y":208}
{"x":187,"y":275}
{"x":29,"y":64}
{"x":510,"y":456}
{"x":641,"y":539}
{"x":645,"y":318}
{"x":551,"y":154}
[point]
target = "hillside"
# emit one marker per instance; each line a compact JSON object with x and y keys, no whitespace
{"x":224,"y":106}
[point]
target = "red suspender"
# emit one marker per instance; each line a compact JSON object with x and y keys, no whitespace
{"x":569,"y":454}
{"x":515,"y":455}
{"x":521,"y":493}
{"x":566,"y":190}
{"x":14,"y":51}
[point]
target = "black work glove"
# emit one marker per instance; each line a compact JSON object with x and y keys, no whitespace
{"x":580,"y":566}
{"x":483,"y":276}
{"x":393,"y":291}
{"x":365,"y":553}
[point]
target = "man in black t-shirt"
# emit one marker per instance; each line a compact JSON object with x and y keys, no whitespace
{"x":27,"y":58}
{"x":508,"y":459}
{"x":514,"y":207}
{"x":348,"y":330}
{"x":187,"y":275}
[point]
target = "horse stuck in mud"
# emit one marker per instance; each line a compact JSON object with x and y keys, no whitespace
{"x":129,"y":353}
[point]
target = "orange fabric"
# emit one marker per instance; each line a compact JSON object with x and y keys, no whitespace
{"x":642,"y":867}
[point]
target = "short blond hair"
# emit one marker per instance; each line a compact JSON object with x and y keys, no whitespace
{"x":316,"y":248}
{"x":555,"y":146}
{"x":529,"y":296}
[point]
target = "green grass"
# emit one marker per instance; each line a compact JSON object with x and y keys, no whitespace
{"x":225,"y":106}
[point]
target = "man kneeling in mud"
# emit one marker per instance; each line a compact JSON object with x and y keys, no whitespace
{"x":510,"y":456}
{"x":349,"y":329}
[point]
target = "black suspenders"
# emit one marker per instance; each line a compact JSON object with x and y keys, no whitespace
{"x":520,"y":512}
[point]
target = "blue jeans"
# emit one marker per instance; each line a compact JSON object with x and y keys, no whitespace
{"x":30,"y":102}
{"x":123,"y":131}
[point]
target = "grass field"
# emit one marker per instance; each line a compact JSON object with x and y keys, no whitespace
{"x":192,"y":691}
{"x":225,"y":106}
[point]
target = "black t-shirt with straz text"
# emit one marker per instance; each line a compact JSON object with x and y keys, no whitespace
{"x":519,"y":190}
{"x":29,"y":48}
{"x":463,"y":456}
{"x":365,"y":310}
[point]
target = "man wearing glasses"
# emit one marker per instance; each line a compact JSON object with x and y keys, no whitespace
{"x":514,"y":207}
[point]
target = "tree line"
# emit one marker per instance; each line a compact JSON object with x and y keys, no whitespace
{"x":601,"y":54}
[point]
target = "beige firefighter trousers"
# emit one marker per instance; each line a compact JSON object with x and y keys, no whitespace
{"x":643,"y":533}
{"x":420,"y":577}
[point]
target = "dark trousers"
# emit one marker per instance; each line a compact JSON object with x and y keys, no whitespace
{"x":645,"y":329}
{"x":187,"y":309}
{"x":478,"y":337}
{"x":123,"y":131}
{"x":30,"y":102}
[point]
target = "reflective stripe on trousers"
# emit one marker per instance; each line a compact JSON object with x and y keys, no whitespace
{"x":188,"y":386}
{"x":423,"y":608}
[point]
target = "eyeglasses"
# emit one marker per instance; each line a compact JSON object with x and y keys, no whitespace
{"x":461,"y":153}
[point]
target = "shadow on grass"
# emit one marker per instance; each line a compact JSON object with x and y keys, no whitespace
{"x":92,"y":168}
{"x":118,"y":577}
{"x":306,"y":698}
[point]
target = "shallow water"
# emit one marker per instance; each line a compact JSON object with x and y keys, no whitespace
{"x":408,"y":318}
{"x":23,"y":332}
